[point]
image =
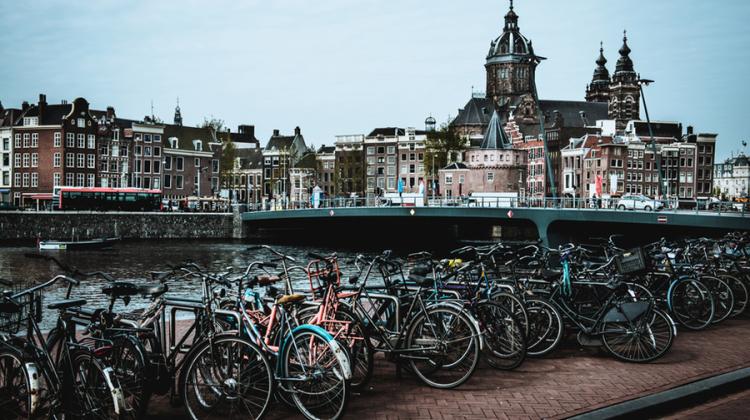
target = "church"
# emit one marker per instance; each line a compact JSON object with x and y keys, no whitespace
{"x":511,"y":93}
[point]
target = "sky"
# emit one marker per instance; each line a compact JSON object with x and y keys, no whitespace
{"x":337,"y":67}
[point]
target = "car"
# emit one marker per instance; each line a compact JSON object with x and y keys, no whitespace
{"x":639,"y":202}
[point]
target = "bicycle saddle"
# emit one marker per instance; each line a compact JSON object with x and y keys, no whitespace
{"x":65,"y":304}
{"x":160,"y":275}
{"x":121,"y":288}
{"x":290,"y":299}
{"x":153,"y":290}
{"x":265,"y":280}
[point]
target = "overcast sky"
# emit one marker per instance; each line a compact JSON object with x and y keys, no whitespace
{"x":347,"y":66}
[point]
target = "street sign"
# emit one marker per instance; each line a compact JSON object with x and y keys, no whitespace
{"x":331,"y":212}
{"x":510,"y":214}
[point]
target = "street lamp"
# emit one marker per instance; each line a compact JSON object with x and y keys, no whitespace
{"x":641,"y":84}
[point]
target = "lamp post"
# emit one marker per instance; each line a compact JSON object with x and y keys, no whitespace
{"x":641,"y":84}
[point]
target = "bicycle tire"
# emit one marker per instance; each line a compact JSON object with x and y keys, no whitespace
{"x":15,"y":387}
{"x":504,"y":339}
{"x":546,"y":327}
{"x":651,"y":340}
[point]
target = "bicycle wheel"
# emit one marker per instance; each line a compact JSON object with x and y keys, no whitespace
{"x":443,"y":345}
{"x":739,"y":291}
{"x":691,"y":303}
{"x":513,"y":304}
{"x":354,"y":336}
{"x":314,"y":376}
{"x":128,"y":360}
{"x":15,"y":389}
{"x":546,"y":327}
{"x":643,"y":340}
{"x":505,"y":343}
{"x":226,"y":378}
{"x":723,"y":297}
{"x":93,"y":397}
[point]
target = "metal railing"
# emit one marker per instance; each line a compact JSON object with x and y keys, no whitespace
{"x":683,"y":207}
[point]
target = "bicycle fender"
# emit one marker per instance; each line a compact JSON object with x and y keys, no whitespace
{"x":34,"y":378}
{"x":338,"y":351}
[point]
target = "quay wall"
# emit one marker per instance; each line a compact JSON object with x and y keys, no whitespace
{"x":24,"y":225}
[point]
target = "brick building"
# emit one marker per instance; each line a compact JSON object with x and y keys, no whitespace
{"x":190,"y":160}
{"x":326,"y":169}
{"x":349,"y":167}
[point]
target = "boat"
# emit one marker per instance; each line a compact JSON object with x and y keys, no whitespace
{"x":87,"y":244}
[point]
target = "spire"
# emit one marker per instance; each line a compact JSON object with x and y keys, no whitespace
{"x":601,"y":74}
{"x":511,"y":18}
{"x":624,"y":64}
{"x":177,"y":113}
{"x":495,"y":137}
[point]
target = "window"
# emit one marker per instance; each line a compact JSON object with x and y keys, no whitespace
{"x":91,"y":144}
{"x":147,"y":151}
{"x":215,"y":166}
{"x":391,"y":150}
{"x":147,"y":138}
{"x":179,"y":164}
{"x":81,"y":141}
{"x":490,"y":176}
{"x":81,"y":160}
{"x":69,"y":180}
{"x":167,"y":181}
{"x":81,"y":122}
{"x":26,"y":160}
{"x":26,"y":180}
{"x":113,"y":167}
{"x":178,"y":182}
{"x":167,"y":164}
{"x":448,"y":179}
{"x":26,"y":140}
{"x":157,"y":151}
{"x":34,"y":179}
{"x":146,"y":166}
{"x":34,"y":160}
{"x":370,"y":150}
{"x":17,"y":179}
{"x":70,"y":160}
{"x":91,"y":161}
{"x":34,"y":140}
{"x":137,"y":150}
{"x":90,"y":181}
{"x":157,"y":166}
{"x":17,"y":160}
{"x":70,"y":140}
{"x":157,"y":138}
{"x":104,"y":166}
{"x":137,"y":168}
{"x":80,"y":178}
{"x":198,"y":145}
{"x":197,"y":163}
{"x":56,"y":179}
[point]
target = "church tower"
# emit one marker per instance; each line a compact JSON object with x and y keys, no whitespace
{"x":511,"y":64}
{"x":177,"y":114}
{"x":598,"y":90}
{"x":624,"y":94}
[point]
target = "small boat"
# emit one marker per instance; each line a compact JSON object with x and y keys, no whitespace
{"x":89,"y":244}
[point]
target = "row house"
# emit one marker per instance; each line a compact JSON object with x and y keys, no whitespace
{"x":279,"y":156}
{"x":246,"y":178}
{"x":7,"y":116}
{"x":302,"y":179}
{"x":326,"y":169}
{"x":391,"y":154}
{"x":190,"y":166}
{"x":732,"y":177}
{"x":349,"y":165}
{"x":147,"y":157}
{"x":114,"y":137}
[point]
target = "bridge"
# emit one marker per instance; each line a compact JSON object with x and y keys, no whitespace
{"x":553,"y":225}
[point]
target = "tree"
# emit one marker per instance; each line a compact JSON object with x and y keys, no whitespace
{"x":226,"y":164}
{"x":216,"y":123}
{"x":442,"y":147}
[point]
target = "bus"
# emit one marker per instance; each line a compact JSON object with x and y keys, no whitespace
{"x":105,"y":199}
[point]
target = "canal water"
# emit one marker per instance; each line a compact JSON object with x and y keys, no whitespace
{"x":133,"y":260}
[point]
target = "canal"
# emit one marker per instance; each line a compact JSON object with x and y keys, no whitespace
{"x":133,"y":260}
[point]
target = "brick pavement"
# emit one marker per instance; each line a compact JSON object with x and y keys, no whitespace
{"x":571,"y":381}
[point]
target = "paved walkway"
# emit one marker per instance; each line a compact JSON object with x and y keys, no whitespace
{"x":570,"y":382}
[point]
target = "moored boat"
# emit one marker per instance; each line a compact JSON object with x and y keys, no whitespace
{"x":87,"y":244}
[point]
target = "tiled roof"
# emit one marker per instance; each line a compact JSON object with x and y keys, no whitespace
{"x":392,"y":132}
{"x":456,"y":165}
{"x":571,"y":111}
{"x":186,"y":135}
{"x":326,"y":149}
{"x":477,"y":111}
{"x":250,"y":158}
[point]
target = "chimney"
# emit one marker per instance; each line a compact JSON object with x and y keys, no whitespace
{"x":110,"y":113}
{"x":42,"y":106}
{"x":248,"y":130}
{"x":584,"y":119}
{"x":24,"y":106}
{"x":64,"y":102}
{"x":690,"y":130}
{"x":276,"y":132}
{"x":297,"y":131}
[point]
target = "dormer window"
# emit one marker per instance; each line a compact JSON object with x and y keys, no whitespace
{"x":30,"y":121}
{"x":198,"y":145}
{"x":173,"y":142}
{"x":81,"y":122}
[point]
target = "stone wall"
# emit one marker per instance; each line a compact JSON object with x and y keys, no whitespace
{"x":88,"y":225}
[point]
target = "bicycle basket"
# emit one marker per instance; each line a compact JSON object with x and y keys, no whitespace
{"x":632,"y":261}
{"x":30,"y":304}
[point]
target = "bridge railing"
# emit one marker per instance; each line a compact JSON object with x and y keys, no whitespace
{"x":565,"y":203}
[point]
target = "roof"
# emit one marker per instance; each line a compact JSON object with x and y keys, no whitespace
{"x":661,"y":129}
{"x":307,"y":161}
{"x":186,"y":135}
{"x":495,"y":137}
{"x":250,"y":158}
{"x":53,"y":113}
{"x":477,"y":111}
{"x":326,"y":149}
{"x":280,"y":142}
{"x":392,"y":132}
{"x":456,"y":165}
{"x":571,"y":111}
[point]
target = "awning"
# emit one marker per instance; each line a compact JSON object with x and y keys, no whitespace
{"x":38,"y":196}
{"x":4,"y":190}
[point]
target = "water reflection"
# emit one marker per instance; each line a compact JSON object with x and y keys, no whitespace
{"x":133,"y":260}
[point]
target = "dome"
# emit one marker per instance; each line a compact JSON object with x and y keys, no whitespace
{"x":511,"y":44}
{"x":624,"y":63}
{"x":430,"y":121}
{"x":601,"y":74}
